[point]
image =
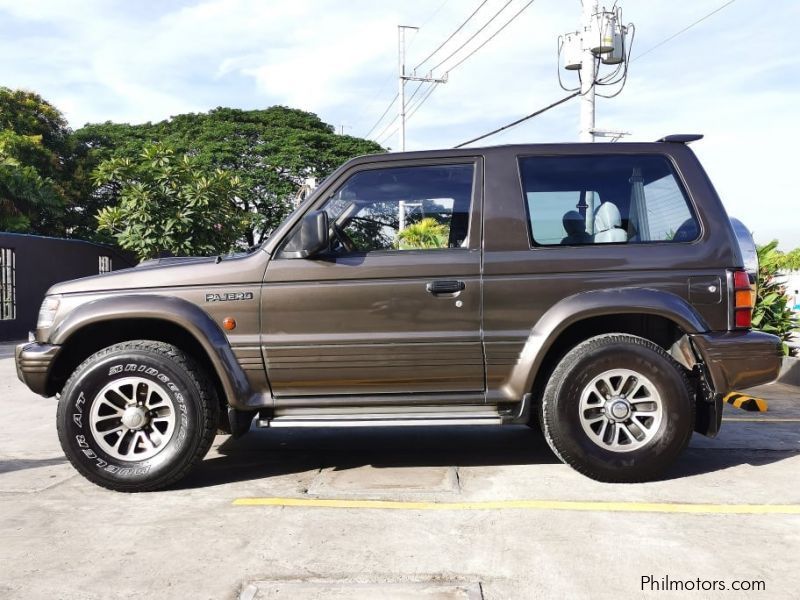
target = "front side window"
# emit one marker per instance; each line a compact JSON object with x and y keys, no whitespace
{"x":628,"y":199}
{"x":402,"y":208}
{"x":8,"y":299}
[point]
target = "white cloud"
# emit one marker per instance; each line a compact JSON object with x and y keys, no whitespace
{"x":731,"y":77}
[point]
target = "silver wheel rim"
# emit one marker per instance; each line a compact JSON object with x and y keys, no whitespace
{"x":621,"y":410}
{"x":132,"y":419}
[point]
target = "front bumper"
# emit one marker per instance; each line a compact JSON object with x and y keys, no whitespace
{"x":739,"y":359}
{"x":34,"y":361}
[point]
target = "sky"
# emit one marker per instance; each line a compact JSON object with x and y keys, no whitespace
{"x":735,"y":77}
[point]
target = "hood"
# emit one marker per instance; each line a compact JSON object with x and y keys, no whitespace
{"x":173,"y":260}
{"x":171,"y":273}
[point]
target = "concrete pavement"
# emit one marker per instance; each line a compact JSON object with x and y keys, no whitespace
{"x":65,"y":538}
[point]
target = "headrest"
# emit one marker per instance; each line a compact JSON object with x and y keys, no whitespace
{"x":607,"y":217}
{"x":574,"y":222}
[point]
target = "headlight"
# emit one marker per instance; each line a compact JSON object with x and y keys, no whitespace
{"x":47,"y":313}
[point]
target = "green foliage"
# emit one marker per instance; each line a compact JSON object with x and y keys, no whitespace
{"x":167,"y":204}
{"x":46,"y":170}
{"x":772,"y":312}
{"x":24,"y":194}
{"x":272,"y":151}
{"x":35,"y":165}
{"x":426,"y":233}
{"x":782,"y":261}
{"x":789,"y":261}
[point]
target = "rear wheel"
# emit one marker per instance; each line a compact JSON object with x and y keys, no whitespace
{"x":618,"y":409}
{"x":137,"y":416}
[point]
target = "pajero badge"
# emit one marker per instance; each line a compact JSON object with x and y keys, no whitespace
{"x":229,"y":296}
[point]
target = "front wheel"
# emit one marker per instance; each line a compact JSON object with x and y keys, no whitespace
{"x":137,"y":416}
{"x":618,"y":409}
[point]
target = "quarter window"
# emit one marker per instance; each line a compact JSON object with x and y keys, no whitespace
{"x":627,"y":199}
{"x":402,"y":208}
{"x":8,"y":291}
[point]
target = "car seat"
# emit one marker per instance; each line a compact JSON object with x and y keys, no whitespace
{"x":608,"y":224}
{"x":687,"y":232}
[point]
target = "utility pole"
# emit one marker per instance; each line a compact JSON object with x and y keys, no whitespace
{"x":401,"y":82}
{"x":600,"y":42}
{"x":599,"y":51}
{"x":588,"y":72}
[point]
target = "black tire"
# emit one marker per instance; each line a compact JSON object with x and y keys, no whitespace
{"x":560,"y":414}
{"x":192,"y":398}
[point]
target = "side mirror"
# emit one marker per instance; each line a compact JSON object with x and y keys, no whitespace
{"x":310,"y":238}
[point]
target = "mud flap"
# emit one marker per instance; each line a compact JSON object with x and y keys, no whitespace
{"x":240,"y":421}
{"x":708,"y":405}
{"x":708,"y":418}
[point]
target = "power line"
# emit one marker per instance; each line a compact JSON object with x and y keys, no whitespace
{"x":432,"y":88}
{"x":421,"y":101}
{"x":380,"y":139}
{"x":431,"y":17}
{"x":460,"y":27}
{"x":450,"y":37}
{"x":472,"y":37}
{"x":375,"y":97}
{"x":576,"y":93}
{"x":687,"y":28}
{"x":396,"y":96}
{"x":491,"y":37}
{"x":387,"y":137}
{"x":414,"y":93}
{"x":389,"y":124}
{"x":518,"y":121}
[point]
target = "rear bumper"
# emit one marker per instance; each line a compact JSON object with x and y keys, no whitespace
{"x":34,"y":361}
{"x":739,"y":359}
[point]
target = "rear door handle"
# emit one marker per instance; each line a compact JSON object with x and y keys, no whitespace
{"x":445,"y":286}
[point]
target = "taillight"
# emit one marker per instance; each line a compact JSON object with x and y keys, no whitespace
{"x":742,"y":300}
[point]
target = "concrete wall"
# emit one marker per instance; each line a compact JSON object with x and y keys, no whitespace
{"x":42,"y":262}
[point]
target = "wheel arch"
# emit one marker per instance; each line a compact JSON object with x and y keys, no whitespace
{"x":661,"y":317}
{"x":101,"y":323}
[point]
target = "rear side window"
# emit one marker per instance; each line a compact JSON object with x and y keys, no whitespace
{"x":623,"y":199}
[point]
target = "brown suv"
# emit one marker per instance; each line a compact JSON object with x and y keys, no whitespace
{"x":597,"y":290}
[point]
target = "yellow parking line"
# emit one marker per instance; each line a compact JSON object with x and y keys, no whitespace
{"x":570,"y":505}
{"x":761,"y":419}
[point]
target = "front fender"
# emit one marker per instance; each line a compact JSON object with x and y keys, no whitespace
{"x":585,"y":305}
{"x":180,"y":312}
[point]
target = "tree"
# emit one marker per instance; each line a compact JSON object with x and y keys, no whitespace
{"x":786,"y":261}
{"x":167,"y":204}
{"x":272,"y":152}
{"x":426,"y":233}
{"x":36,"y":161}
{"x":772,"y":312}
{"x":24,"y":194}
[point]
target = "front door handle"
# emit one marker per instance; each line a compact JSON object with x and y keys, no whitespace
{"x":445,"y":287}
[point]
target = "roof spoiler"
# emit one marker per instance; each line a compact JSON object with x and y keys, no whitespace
{"x":682,"y":138}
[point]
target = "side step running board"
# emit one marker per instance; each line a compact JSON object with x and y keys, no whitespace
{"x":487,"y":417}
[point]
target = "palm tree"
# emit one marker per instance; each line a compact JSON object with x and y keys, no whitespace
{"x":427,"y":233}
